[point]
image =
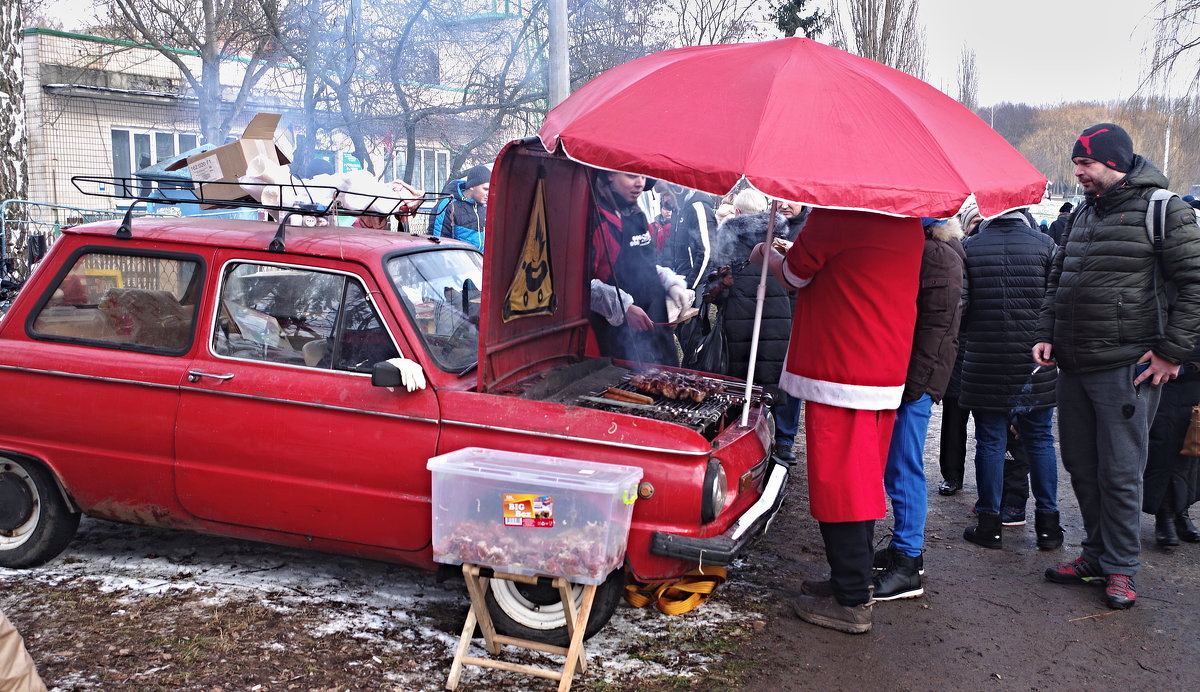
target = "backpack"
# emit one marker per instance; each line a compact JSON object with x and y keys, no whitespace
{"x":1156,"y":223}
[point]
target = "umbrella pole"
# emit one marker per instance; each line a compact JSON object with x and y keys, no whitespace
{"x":758,"y":310}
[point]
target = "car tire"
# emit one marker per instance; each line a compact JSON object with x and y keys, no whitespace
{"x":536,"y":613}
{"x":35,"y":522}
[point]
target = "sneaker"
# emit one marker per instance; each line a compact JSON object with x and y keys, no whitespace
{"x":1118,"y":592}
{"x":1078,"y":571}
{"x":884,"y":560}
{"x":899,"y":581}
{"x":1011,"y":515}
{"x":827,"y":612}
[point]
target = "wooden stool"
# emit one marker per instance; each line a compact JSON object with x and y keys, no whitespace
{"x":577,"y":618}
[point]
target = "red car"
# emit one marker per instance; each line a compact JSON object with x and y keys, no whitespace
{"x":190,"y":374}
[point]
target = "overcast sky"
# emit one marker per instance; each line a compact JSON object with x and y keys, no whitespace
{"x":1031,"y":51}
{"x":1040,"y":51}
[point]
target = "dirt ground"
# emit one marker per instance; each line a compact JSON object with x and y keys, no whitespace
{"x":177,"y":612}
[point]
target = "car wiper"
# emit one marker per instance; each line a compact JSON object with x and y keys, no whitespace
{"x":469,"y":368}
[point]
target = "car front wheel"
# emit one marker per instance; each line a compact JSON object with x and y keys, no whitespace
{"x":535,"y":612}
{"x":35,"y":522}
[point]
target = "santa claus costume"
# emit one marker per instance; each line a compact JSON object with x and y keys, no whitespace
{"x":857,"y":275}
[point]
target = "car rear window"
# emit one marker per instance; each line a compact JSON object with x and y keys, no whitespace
{"x":123,"y":301}
{"x":299,"y":316}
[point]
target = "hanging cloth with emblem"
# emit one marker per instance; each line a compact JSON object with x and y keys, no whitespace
{"x":532,"y":289}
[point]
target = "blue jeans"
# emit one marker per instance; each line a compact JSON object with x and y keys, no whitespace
{"x":904,"y":475}
{"x":787,"y":420}
{"x":991,"y":439}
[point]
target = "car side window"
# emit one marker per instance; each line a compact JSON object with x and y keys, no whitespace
{"x":297,"y":316}
{"x":124,"y":301}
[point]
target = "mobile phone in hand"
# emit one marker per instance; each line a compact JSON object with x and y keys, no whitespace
{"x":1138,"y":369}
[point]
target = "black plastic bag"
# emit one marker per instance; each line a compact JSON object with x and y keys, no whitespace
{"x":711,"y":352}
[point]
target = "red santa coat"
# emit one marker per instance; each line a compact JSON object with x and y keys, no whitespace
{"x":855,"y":313}
{"x":851,"y":341}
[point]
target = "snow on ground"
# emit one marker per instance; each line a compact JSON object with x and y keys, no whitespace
{"x":400,"y":610}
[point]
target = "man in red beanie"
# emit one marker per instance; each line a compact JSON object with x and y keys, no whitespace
{"x":857,"y":275}
{"x":1115,"y":333}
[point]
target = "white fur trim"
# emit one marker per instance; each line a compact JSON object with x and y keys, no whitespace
{"x":853,"y":396}
{"x":793,"y":280}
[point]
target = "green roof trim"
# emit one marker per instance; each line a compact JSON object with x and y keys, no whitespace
{"x":29,"y":31}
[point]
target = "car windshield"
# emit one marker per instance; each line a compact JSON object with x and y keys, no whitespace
{"x":440,"y":290}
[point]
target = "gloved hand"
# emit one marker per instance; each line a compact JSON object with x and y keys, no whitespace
{"x":411,"y":373}
{"x":679,"y":301}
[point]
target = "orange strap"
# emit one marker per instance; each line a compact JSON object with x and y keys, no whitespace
{"x":677,"y":597}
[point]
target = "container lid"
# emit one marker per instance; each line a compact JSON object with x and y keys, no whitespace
{"x":533,"y":468}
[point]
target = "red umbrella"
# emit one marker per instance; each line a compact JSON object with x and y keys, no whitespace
{"x":799,"y":120}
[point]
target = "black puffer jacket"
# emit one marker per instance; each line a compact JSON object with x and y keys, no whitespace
{"x":1007,"y":265}
{"x":1100,"y":311}
{"x":736,"y":239}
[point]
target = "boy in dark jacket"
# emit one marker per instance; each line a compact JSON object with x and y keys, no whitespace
{"x":464,"y":219}
{"x":935,"y":343}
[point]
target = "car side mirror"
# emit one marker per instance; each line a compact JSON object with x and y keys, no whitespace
{"x":384,"y":374}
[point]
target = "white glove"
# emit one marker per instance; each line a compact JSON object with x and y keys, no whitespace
{"x":411,"y":373}
{"x":679,"y":300}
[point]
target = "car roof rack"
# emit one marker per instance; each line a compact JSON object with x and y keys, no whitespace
{"x":295,"y":198}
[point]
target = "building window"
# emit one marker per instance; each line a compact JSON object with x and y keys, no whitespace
{"x":133,"y":150}
{"x":431,"y":168}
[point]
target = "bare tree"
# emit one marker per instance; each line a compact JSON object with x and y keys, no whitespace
{"x":1176,"y":35}
{"x":708,"y":22}
{"x":886,"y":31}
{"x":968,"y":79}
{"x":214,"y":30}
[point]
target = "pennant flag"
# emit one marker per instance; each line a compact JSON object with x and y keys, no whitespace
{"x":532,"y":289}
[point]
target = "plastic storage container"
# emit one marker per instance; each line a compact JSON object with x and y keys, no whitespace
{"x":532,"y":515}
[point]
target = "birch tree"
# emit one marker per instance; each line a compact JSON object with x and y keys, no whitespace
{"x":12,"y":102}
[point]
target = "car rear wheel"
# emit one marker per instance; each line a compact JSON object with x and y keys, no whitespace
{"x":535,"y":612}
{"x":35,"y":522}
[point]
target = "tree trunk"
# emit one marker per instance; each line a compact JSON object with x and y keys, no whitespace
{"x":12,"y":103}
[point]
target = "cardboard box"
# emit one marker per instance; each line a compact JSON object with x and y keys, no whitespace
{"x":228,"y":162}
{"x":532,"y":514}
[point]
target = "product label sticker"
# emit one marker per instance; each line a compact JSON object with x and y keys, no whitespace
{"x":208,"y":168}
{"x":529,"y":510}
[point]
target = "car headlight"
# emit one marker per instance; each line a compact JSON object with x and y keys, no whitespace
{"x":770,"y":413}
{"x":716,"y":486}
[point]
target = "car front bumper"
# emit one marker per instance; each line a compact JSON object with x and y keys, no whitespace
{"x":723,"y":549}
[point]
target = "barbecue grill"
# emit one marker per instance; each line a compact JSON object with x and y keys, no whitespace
{"x":697,"y":415}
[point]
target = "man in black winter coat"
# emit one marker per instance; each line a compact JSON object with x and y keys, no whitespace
{"x":1007,"y":264}
{"x":690,"y":247}
{"x":736,"y":240}
{"x":1060,"y":224}
{"x":1115,"y":334}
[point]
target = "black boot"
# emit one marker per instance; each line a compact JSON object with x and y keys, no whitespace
{"x":987,"y":533}
{"x":1185,"y":528}
{"x":1049,"y":533}
{"x":900,"y":580}
{"x":1164,"y":529}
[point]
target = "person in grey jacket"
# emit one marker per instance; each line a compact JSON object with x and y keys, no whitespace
{"x":1007,"y":264}
{"x":1116,"y":334}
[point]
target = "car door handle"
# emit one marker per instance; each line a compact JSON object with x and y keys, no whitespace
{"x":195,"y":375}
